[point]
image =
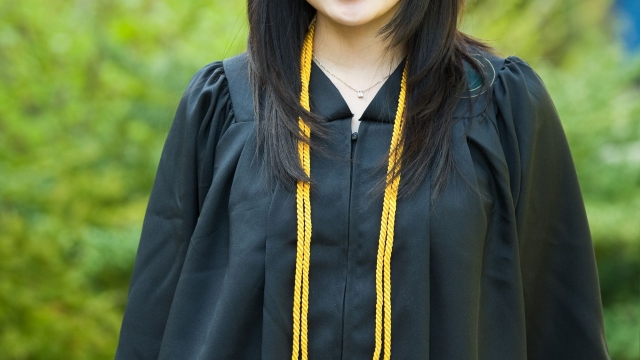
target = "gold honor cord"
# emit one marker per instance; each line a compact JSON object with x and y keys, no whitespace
{"x":303,"y":213}
{"x":387,"y":224}
{"x":303,"y":203}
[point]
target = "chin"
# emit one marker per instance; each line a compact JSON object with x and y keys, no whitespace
{"x":353,"y":12}
{"x":351,"y":21}
{"x":348,"y":16}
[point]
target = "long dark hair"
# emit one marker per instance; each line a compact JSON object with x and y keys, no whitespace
{"x":435,"y":49}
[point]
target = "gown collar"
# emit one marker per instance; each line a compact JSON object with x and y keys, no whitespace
{"x":327,"y":101}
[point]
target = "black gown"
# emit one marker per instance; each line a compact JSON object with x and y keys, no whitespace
{"x":506,"y":273}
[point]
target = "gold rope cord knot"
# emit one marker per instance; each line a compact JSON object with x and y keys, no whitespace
{"x":303,"y":215}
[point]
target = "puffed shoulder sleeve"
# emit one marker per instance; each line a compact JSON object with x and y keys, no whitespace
{"x":182,"y":178}
{"x":562,"y":301}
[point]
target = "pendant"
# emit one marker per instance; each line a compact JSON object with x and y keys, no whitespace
{"x":360,"y":94}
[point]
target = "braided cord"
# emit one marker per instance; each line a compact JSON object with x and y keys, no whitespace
{"x":387,"y":224}
{"x":303,"y":214}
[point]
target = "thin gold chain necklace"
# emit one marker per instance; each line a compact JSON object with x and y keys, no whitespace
{"x":382,"y":331}
{"x":360,"y":92}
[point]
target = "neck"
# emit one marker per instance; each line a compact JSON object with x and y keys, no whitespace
{"x":356,"y":52}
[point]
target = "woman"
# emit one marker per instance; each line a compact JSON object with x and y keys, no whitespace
{"x":434,"y":213}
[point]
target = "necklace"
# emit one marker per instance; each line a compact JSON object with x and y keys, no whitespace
{"x":360,"y":92}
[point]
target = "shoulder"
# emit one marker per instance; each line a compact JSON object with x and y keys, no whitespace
{"x":219,"y":76}
{"x":520,"y":95}
{"x":506,"y":83}
{"x":221,"y":87}
{"x":523,"y":111}
{"x":492,"y":70}
{"x":207,"y":87}
{"x":205,"y":108}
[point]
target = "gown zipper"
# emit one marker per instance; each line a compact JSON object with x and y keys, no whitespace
{"x":354,"y":137}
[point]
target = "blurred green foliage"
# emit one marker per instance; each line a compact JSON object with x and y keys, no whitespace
{"x":88,"y":90}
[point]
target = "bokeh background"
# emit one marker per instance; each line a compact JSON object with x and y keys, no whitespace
{"x":88,"y":89}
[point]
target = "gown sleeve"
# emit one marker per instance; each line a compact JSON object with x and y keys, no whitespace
{"x":563,"y":309}
{"x":183,"y":175}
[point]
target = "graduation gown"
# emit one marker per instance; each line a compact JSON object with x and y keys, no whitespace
{"x":506,"y":272}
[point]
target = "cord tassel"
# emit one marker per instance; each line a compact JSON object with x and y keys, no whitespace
{"x":303,"y":214}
